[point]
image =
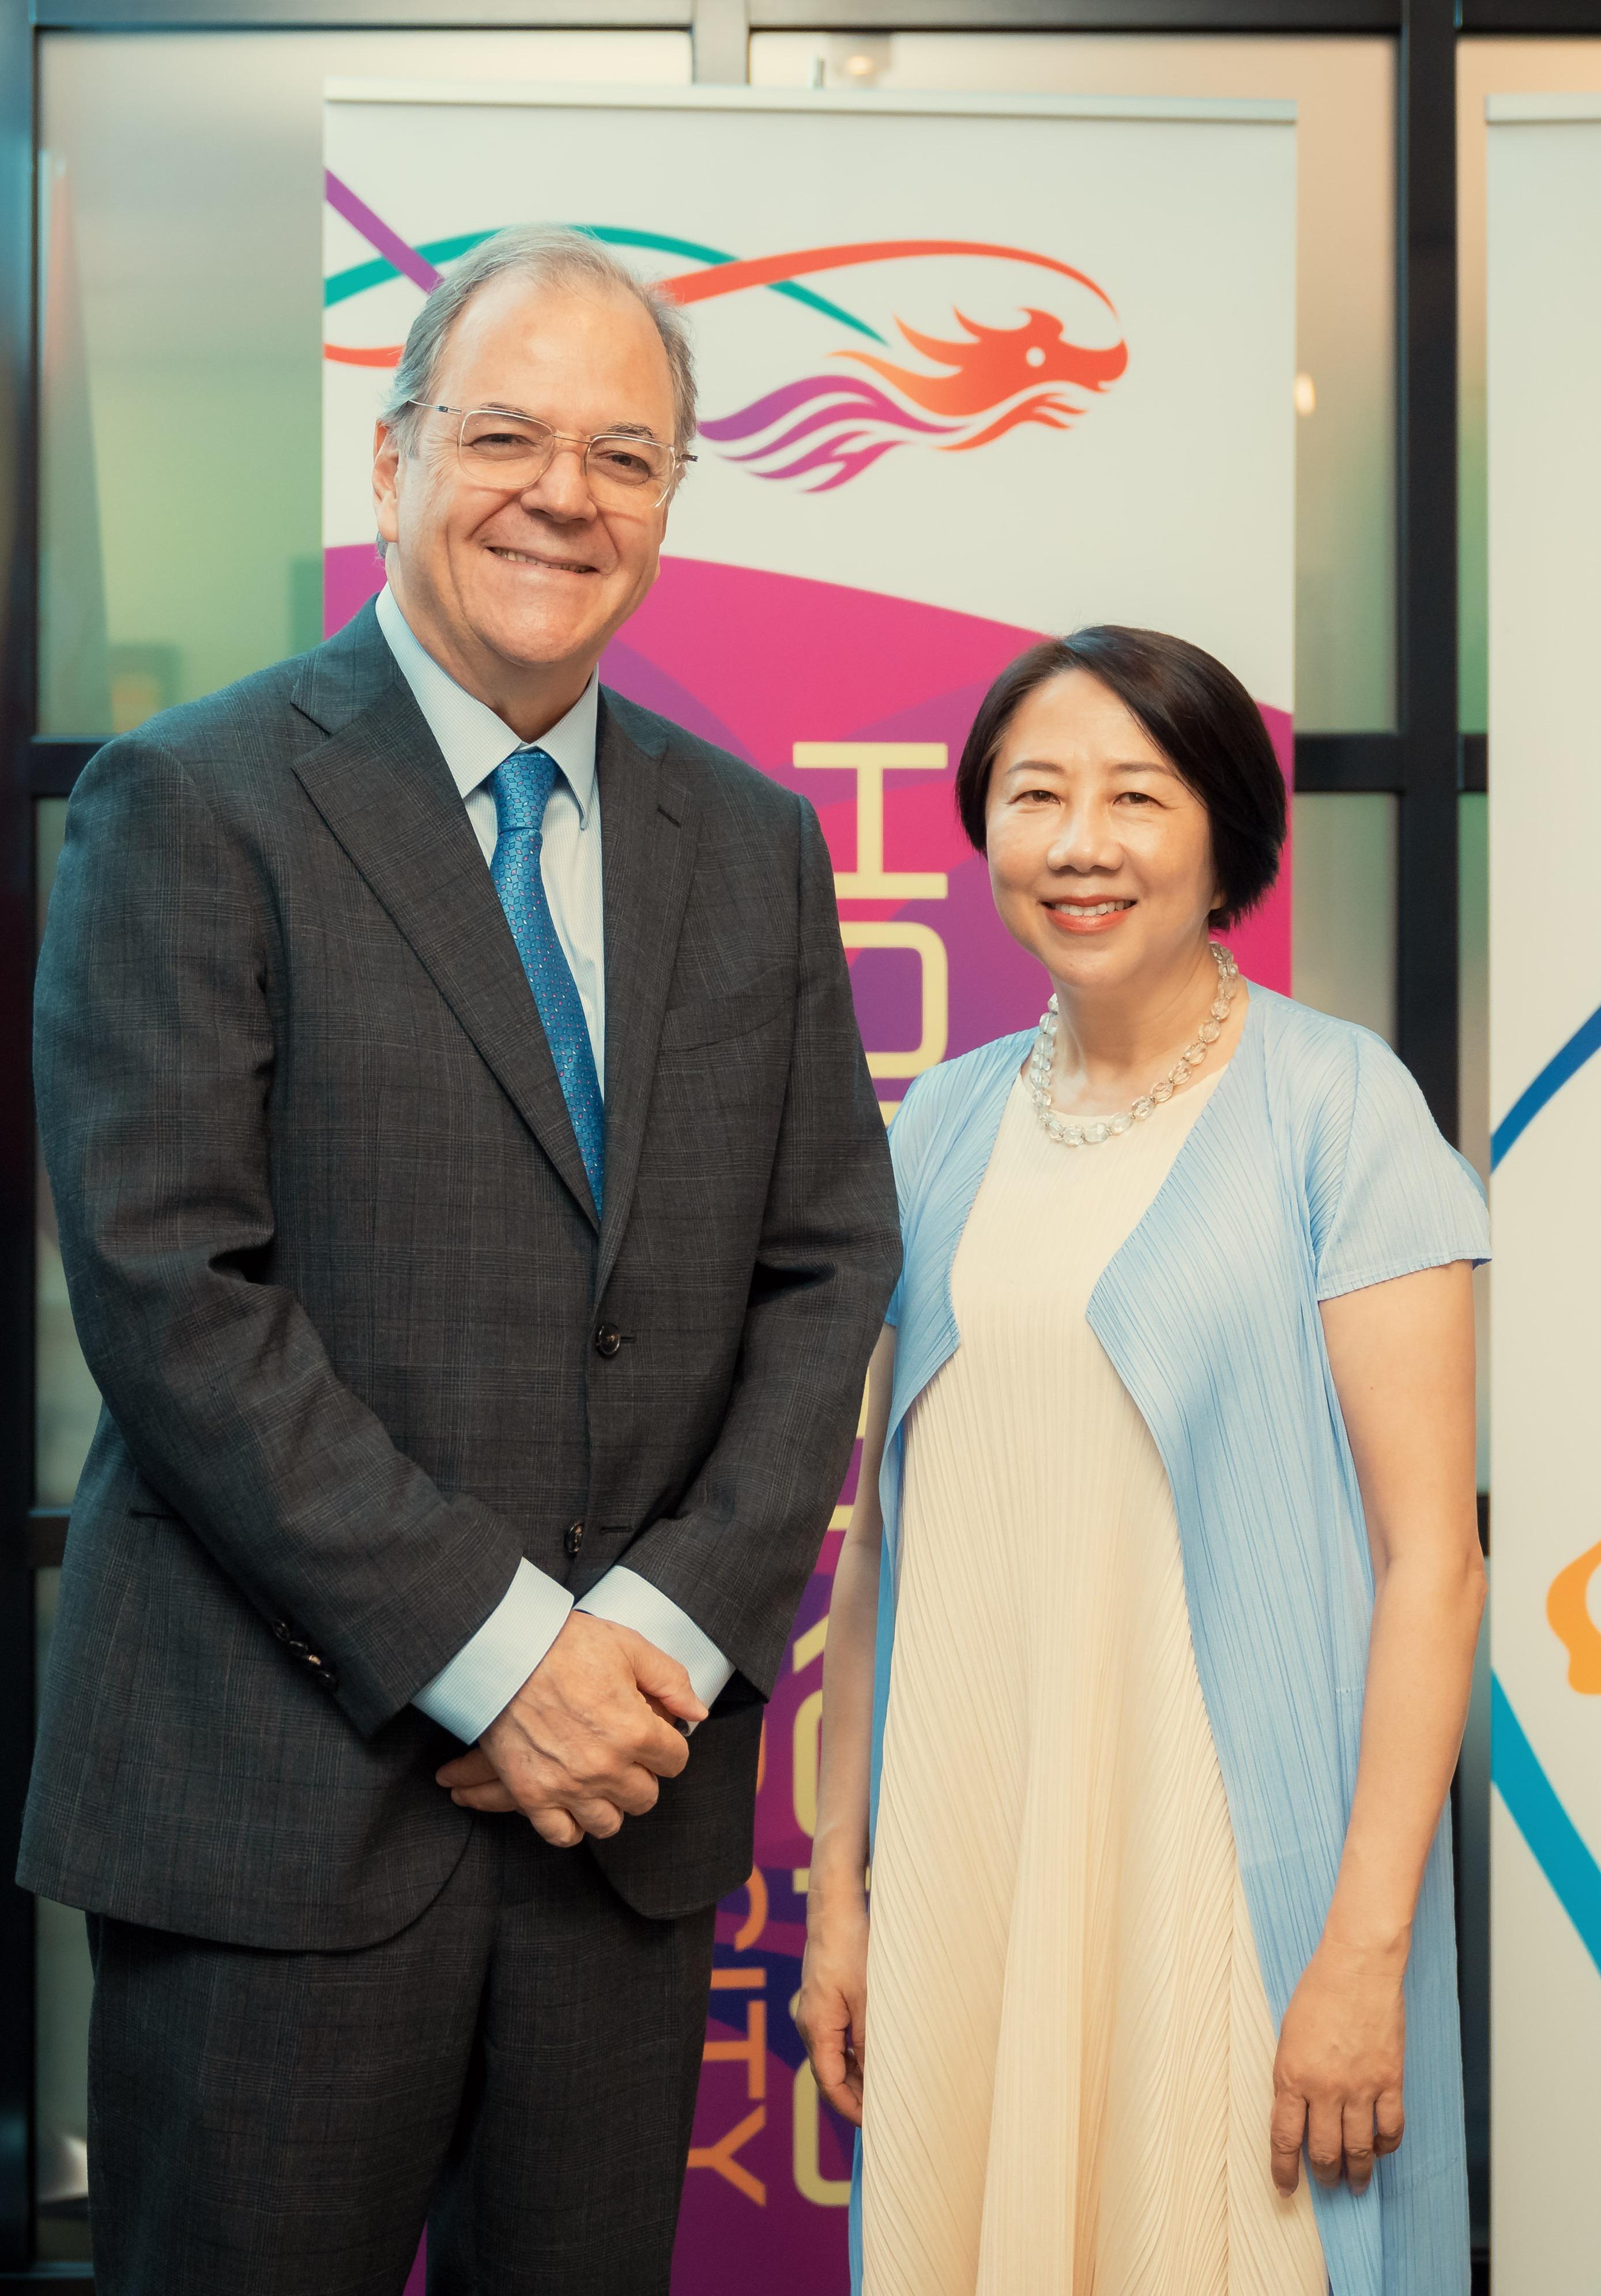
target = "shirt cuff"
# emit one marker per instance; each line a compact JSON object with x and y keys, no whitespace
{"x":487,"y":1672}
{"x":628,"y":1599}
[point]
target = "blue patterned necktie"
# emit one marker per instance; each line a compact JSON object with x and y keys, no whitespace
{"x":521,"y":789}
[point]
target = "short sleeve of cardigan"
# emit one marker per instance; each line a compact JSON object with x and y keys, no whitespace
{"x":1391,"y":1195}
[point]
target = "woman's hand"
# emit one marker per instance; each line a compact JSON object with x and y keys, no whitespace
{"x":1337,"y":2077}
{"x":832,"y":2012}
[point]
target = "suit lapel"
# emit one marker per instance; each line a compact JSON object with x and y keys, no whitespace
{"x":382,"y":788}
{"x":648,"y":842}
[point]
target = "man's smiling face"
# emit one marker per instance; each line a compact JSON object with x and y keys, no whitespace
{"x":514,"y":594}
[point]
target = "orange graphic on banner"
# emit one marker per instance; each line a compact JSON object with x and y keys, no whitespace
{"x":756,"y":1919}
{"x":753,"y":2051}
{"x":720,"y":2156}
{"x":996,"y":361}
{"x":766,"y":270}
{"x":1567,"y":1608}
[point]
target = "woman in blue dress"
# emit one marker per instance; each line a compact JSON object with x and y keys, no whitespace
{"x":1151,"y":1635}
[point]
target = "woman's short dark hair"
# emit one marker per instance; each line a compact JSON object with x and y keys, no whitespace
{"x":1199,"y":715}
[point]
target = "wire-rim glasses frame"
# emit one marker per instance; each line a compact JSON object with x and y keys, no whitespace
{"x":664,"y":463}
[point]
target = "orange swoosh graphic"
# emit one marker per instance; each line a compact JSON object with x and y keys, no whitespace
{"x":1567,"y":1610}
{"x":1044,"y":407}
{"x":764,"y":270}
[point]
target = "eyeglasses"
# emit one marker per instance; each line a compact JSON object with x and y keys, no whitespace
{"x":511,"y":452}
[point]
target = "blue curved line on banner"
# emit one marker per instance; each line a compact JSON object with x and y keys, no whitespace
{"x":1559,"y":1849}
{"x":1556,"y":1072}
{"x":357,"y":277}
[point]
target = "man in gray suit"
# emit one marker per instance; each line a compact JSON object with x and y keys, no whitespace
{"x":477,"y":1217}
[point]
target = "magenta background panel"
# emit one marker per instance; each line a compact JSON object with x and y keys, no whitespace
{"x":757,"y":662}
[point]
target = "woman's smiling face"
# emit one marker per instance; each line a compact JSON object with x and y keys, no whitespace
{"x":1100,"y":856}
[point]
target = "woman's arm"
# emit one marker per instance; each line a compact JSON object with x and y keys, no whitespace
{"x":832,"y":2008}
{"x":1402,"y":1355}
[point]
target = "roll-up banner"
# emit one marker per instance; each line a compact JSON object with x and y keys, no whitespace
{"x":971,"y":370}
{"x":1545,"y":1008}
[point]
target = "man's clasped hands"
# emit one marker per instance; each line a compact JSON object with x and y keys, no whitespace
{"x":585,"y":1741}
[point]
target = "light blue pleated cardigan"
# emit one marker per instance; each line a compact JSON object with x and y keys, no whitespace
{"x":1315,"y":1169}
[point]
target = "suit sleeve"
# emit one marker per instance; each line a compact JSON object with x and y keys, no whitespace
{"x":737,"y":1559}
{"x":159,"y":1014}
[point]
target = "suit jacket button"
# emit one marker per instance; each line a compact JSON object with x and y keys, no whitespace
{"x":608,"y":1338}
{"x":574,"y":1538}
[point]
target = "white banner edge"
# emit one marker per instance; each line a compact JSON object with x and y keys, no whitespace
{"x":1542,"y":110}
{"x":1269,"y":111}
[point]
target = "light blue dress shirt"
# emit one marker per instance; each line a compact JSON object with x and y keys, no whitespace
{"x":487,"y":1673}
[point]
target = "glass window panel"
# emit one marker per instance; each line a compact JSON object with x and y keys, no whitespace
{"x":60,"y":2042}
{"x":1473,"y":957}
{"x":181,"y":257}
{"x":1345,"y":468}
{"x":1489,"y":68}
{"x":66,"y":1400}
{"x":1344,"y":927}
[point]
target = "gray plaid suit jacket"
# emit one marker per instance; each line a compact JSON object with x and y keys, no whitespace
{"x":361,"y":1340}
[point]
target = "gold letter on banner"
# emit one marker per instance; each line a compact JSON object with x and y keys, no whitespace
{"x":803,"y":1772}
{"x":811,"y":2183}
{"x":900,"y":932}
{"x":869,"y":761}
{"x":871,"y":880}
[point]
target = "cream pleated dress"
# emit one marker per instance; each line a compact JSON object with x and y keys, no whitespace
{"x":1070,"y":2054}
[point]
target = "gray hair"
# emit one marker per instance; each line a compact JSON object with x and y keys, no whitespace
{"x":548,"y":255}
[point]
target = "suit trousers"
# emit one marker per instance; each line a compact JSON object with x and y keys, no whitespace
{"x":518,"y":2067}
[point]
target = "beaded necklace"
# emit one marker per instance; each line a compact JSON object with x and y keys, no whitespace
{"x":1066,"y":1131}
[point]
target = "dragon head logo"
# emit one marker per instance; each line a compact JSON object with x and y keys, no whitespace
{"x":995,"y":363}
{"x":828,"y":429}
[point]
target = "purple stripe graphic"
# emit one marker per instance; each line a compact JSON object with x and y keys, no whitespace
{"x":842,"y":455}
{"x":853,"y":398}
{"x":372,"y":228}
{"x":797,"y":431}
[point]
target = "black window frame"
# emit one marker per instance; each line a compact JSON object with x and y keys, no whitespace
{"x":1424,"y":764}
